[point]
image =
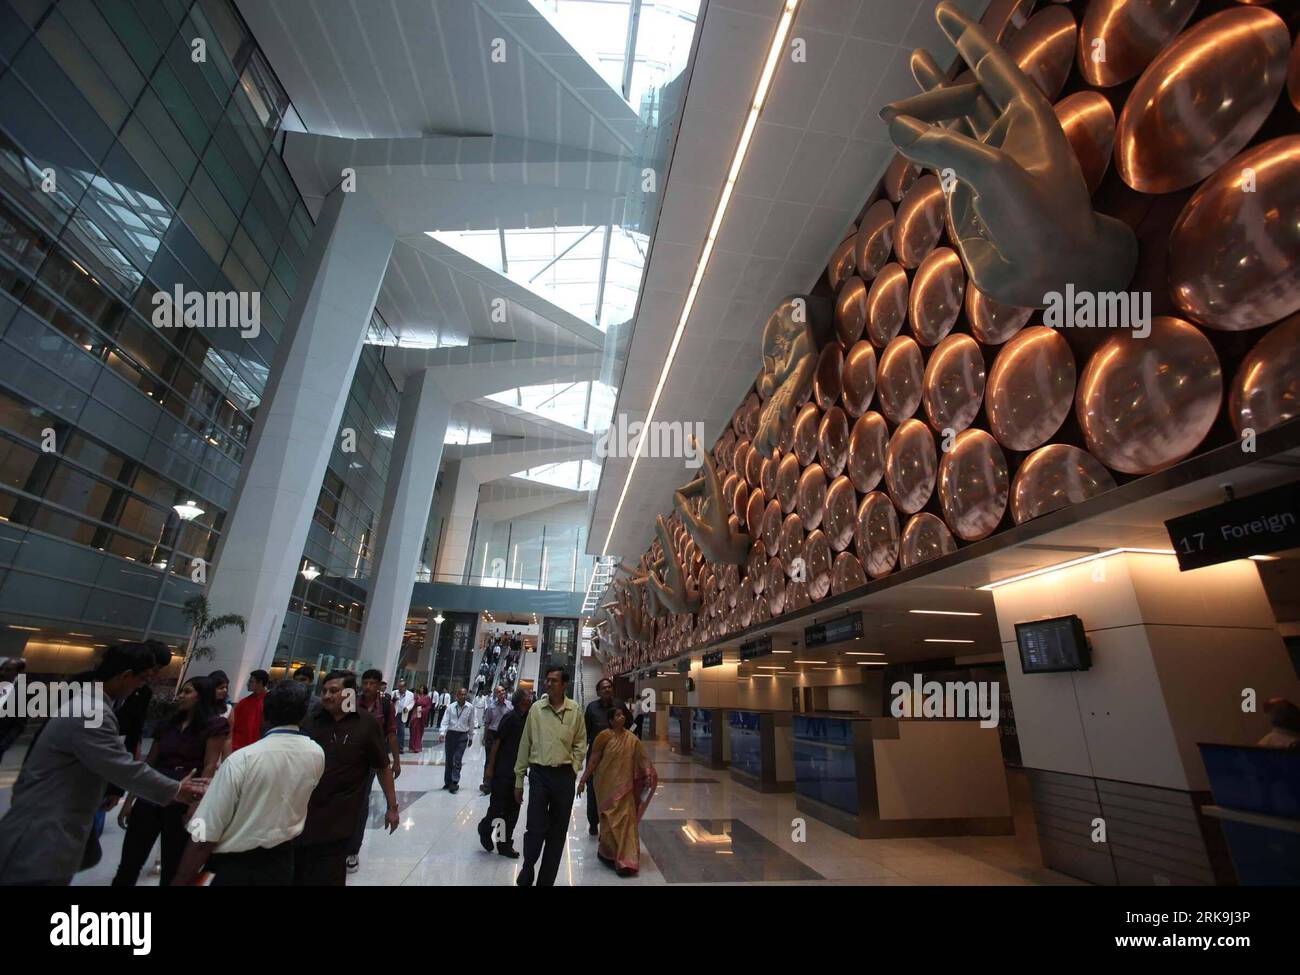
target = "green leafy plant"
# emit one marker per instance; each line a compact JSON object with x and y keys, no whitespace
{"x":203,"y":627}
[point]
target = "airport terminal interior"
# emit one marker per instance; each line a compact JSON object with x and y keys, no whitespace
{"x":649,"y":442}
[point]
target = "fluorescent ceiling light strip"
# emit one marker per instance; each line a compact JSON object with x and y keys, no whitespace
{"x":941,"y":612}
{"x":737,"y":161}
{"x":1073,"y":562}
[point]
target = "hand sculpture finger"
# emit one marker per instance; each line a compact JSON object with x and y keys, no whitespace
{"x":999,"y":76}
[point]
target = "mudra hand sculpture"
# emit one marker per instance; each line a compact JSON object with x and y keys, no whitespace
{"x":1020,"y":206}
{"x":711,"y":528}
{"x":789,"y":362}
{"x":673,"y":589}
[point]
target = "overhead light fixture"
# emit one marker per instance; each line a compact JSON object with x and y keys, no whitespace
{"x":724,"y":200}
{"x":440,"y":619}
{"x":1263,"y":558}
{"x":873,"y":663}
{"x":941,"y":612}
{"x":768,"y":667}
{"x":808,"y":661}
{"x":187,"y":511}
{"x":310,"y":572}
{"x":862,"y":653}
{"x":936,"y":639}
{"x":783,"y":651}
{"x":1073,"y":562}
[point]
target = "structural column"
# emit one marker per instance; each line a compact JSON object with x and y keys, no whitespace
{"x":265,"y":533}
{"x":458,"y":529}
{"x":408,"y":494}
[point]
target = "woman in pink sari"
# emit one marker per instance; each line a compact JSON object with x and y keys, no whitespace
{"x":625,"y":781}
{"x":420,"y":718}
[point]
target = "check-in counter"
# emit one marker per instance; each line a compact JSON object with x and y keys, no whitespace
{"x":679,"y":730}
{"x":888,"y":777}
{"x":710,"y":737}
{"x":762,"y":749}
{"x":1257,"y":802}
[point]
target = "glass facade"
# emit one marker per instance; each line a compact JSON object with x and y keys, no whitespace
{"x":139,"y":153}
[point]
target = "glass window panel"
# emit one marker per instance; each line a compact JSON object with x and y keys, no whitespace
{"x":85,"y":72}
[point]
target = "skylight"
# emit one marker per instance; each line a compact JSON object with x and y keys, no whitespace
{"x":581,"y":405}
{"x":580,"y":475}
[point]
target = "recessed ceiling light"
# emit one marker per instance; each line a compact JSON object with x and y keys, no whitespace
{"x":1263,"y":558}
{"x":863,"y":653}
{"x":942,"y":612}
{"x":941,"y":640}
{"x":808,"y":661}
{"x":783,"y":651}
{"x":724,"y":200}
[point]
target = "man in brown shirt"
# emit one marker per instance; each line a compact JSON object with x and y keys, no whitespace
{"x":355,"y":750}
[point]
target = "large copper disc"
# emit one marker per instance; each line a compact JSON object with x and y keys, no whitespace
{"x":774,"y":590}
{"x":1056,"y":476}
{"x":740,"y":460}
{"x":767,"y":476}
{"x":973,"y":485}
{"x":911,"y":466}
{"x":1146,"y":403}
{"x":1089,"y":124}
{"x":750,"y":410}
{"x":817,"y":561}
{"x":754,"y":510}
{"x":1030,"y":388}
{"x":828,"y":381}
{"x":925,"y":537}
{"x":804,"y":445}
{"x":899,"y":177}
{"x":1266,"y":390}
{"x":887,"y":304}
{"x":919,"y":221}
{"x":754,"y":468}
{"x":812,"y":496}
{"x":1234,"y":253}
{"x":833,"y":442}
{"x":859,"y":378}
{"x":796,"y":597}
{"x":992,"y":322}
{"x":954,"y":383}
{"x":1202,"y":99}
{"x":867,"y":446}
{"x":876,"y":535}
{"x":787,"y":482}
{"x":740,"y":502}
{"x":846,"y":574}
{"x":899,"y":381}
{"x":790,"y":544}
{"x":772,"y":516}
{"x":1044,"y":49}
{"x":841,"y":266}
{"x":937,"y":291}
{"x":1118,"y":38}
{"x":838,"y":523}
{"x":875,"y":239}
{"x":756,"y":566}
{"x":851,"y":311}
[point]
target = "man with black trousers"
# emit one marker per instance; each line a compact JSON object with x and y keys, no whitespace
{"x":500,"y":777}
{"x":596,"y":718}
{"x":551,"y":753}
{"x":458,"y":727}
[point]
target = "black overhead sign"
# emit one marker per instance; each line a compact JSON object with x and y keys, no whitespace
{"x":756,"y":648}
{"x":684,"y":666}
{"x":713,"y":659}
{"x":1265,"y":522}
{"x":836,"y":631}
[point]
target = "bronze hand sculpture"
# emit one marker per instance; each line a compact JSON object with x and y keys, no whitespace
{"x":789,"y":362}
{"x":1020,"y":206}
{"x":674,"y":590}
{"x":711,"y":529}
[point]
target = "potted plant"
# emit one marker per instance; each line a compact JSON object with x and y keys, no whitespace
{"x":203,"y":626}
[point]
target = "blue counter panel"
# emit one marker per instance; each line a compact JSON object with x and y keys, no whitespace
{"x":824,"y":766}
{"x":746,"y":743}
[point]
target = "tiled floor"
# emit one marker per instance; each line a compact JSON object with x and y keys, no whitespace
{"x":702,"y":827}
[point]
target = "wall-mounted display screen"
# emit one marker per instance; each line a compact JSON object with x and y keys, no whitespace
{"x":1052,"y":646}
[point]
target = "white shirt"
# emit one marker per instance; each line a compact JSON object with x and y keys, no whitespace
{"x":258,"y":798}
{"x":444,"y":700}
{"x":460,"y":717}
{"x":404,"y":702}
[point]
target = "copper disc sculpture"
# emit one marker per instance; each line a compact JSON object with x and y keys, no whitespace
{"x":1202,"y":99}
{"x":1146,"y":403}
{"x":900,"y":378}
{"x":817,"y":565}
{"x":828,"y":380}
{"x":774,"y":590}
{"x":1119,"y":38}
{"x":953,"y":386}
{"x":846,"y":574}
{"x":767,"y":475}
{"x":925,"y":537}
{"x":887,"y":301}
{"x":1030,"y":388}
{"x":973,"y":485}
{"x":787,"y":482}
{"x":1234,"y":253}
{"x":772,"y":517}
{"x":868,"y":444}
{"x":992,"y":322}
{"x":936,"y":298}
{"x":1266,"y":390}
{"x":804,"y":447}
{"x":875,"y":239}
{"x":851,"y":311}
{"x":1056,"y":476}
{"x":899,"y":177}
{"x":790,"y":543}
{"x":876,"y":536}
{"x":1089,"y":124}
{"x":811,"y":504}
{"x":839,"y":520}
{"x":833,"y":442}
{"x":841,"y":266}
{"x":1044,"y":49}
{"x":911,"y":466}
{"x":919,"y":221}
{"x":859,"y":378}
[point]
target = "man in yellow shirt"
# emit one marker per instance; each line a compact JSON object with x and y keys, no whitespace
{"x":551,"y":753}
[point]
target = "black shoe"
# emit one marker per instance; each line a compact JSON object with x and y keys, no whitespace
{"x":506,"y":850}
{"x":525,"y":878}
{"x":606,"y":861}
{"x":626,"y":872}
{"x":454,"y":789}
{"x":483,"y":790}
{"x":593,"y":830}
{"x":485,"y":838}
{"x":445,"y":786}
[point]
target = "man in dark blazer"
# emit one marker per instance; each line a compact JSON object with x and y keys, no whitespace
{"x":76,"y":755}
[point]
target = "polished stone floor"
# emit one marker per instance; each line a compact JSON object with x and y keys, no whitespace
{"x":702,"y":827}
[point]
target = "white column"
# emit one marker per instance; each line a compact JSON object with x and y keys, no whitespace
{"x":301,"y":408}
{"x":408,"y":494}
{"x":458,"y":529}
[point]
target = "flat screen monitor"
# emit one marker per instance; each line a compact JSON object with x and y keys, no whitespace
{"x":1052,"y":646}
